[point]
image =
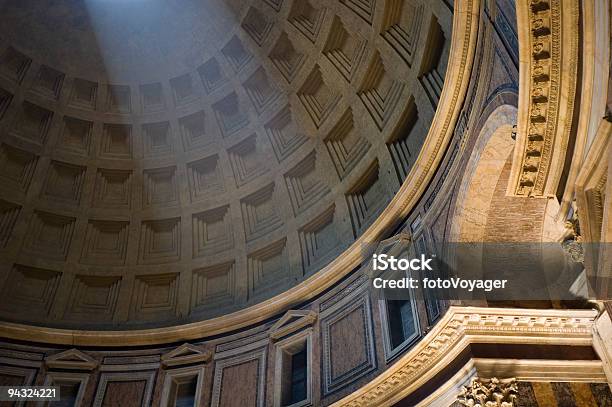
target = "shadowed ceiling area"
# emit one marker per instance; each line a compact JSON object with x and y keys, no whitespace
{"x":167,"y":162}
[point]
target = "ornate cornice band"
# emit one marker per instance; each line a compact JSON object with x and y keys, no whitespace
{"x":462,"y":326}
{"x":548,"y":54}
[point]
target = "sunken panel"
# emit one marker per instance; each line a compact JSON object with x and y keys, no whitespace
{"x":247,"y":162}
{"x":160,"y":241}
{"x":317,"y":97}
{"x":404,"y":142}
{"x":48,"y":82}
{"x":213,"y":287}
{"x":240,"y":380}
{"x":105,"y":242}
{"x":64,"y":182}
{"x":212,"y":232}
{"x":363,"y":8}
{"x":155,"y":296}
{"x":318,"y":240}
{"x":260,"y":213}
{"x":84,"y":94}
{"x":119,"y":99}
{"x":211,"y":75}
{"x":113,"y":188}
{"x":30,"y":290}
{"x":93,"y":298}
{"x":193,"y":131}
{"x":284,"y":135}
{"x":205,"y":178}
{"x":116,"y":141}
{"x":33,"y":123}
{"x":257,"y":25}
{"x":183,"y":89}
{"x":230,"y":116}
{"x":343,"y":49}
{"x":268,"y":268}
{"x":366,"y":199}
{"x":236,"y":54}
{"x":5,"y":100}
{"x":275,"y":4}
{"x":307,"y":19}
{"x":401,"y":27}
{"x":152,"y":97}
{"x":17,"y":167}
{"x":49,"y":235}
{"x":305,"y":184}
{"x":261,"y":91}
{"x":14,"y":65}
{"x":157,"y":139}
{"x":76,"y":136}
{"x":160,"y":187}
{"x":380,"y":93}
{"x":346,"y":147}
{"x":9,"y":212}
{"x":431,"y":73}
{"x":349,"y":351}
{"x":287,"y":59}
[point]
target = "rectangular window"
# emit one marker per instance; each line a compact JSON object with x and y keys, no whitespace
{"x":298,"y":376}
{"x":401,"y":321}
{"x":182,"y":387}
{"x":184,"y":391}
{"x":293,"y":370}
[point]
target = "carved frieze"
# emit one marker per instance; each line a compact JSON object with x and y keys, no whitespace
{"x":549,"y":61}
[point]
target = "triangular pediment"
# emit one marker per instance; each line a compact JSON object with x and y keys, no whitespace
{"x":184,"y":355}
{"x":72,"y":359}
{"x":291,"y":322}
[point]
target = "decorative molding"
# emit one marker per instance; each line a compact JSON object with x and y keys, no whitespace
{"x":184,"y":355}
{"x":71,"y":359}
{"x":110,"y":377}
{"x":548,"y":51}
{"x":462,"y":326}
{"x":457,"y":81}
{"x":258,"y":356}
{"x":292,"y":321}
{"x":489,"y":392}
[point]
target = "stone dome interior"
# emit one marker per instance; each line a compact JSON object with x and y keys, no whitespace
{"x":167,"y":162}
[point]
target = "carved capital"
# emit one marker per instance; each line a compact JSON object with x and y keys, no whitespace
{"x":489,"y":393}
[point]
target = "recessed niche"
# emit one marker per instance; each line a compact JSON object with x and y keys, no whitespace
{"x":152,"y":97}
{"x":205,"y":178}
{"x":317,"y":97}
{"x":160,"y":241}
{"x":113,"y":188}
{"x":284,"y":135}
{"x":343,"y":49}
{"x":211,"y":75}
{"x":193,"y":131}
{"x":307,"y":19}
{"x":230,"y":116}
{"x":84,"y":94}
{"x":48,"y":82}
{"x":260,"y":213}
{"x":236,"y":54}
{"x":49,"y":235}
{"x":305,"y":184}
{"x":17,"y":167}
{"x":116,"y":141}
{"x":119,"y":99}
{"x":64,"y":182}
{"x":345,"y":145}
{"x":257,"y":25}
{"x":286,"y":57}
{"x":75,"y":136}
{"x":247,"y":162}
{"x":183,"y":89}
{"x":157,"y":139}
{"x":33,"y":123}
{"x":14,"y":65}
{"x":160,"y":187}
{"x":212,"y":232}
{"x":261,"y":91}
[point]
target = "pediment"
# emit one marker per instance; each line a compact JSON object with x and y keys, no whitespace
{"x":291,"y":322}
{"x":72,"y":359}
{"x":184,"y":355}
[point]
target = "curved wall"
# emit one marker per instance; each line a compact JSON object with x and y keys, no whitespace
{"x":138,"y":204}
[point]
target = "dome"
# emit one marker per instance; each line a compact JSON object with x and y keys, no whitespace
{"x":169,"y":162}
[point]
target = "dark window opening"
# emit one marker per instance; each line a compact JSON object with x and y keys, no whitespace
{"x":402,"y":321}
{"x":298,"y":376}
{"x":184,"y":391}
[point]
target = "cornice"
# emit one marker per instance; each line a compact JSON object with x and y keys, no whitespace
{"x":548,"y":58}
{"x":462,"y":326}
